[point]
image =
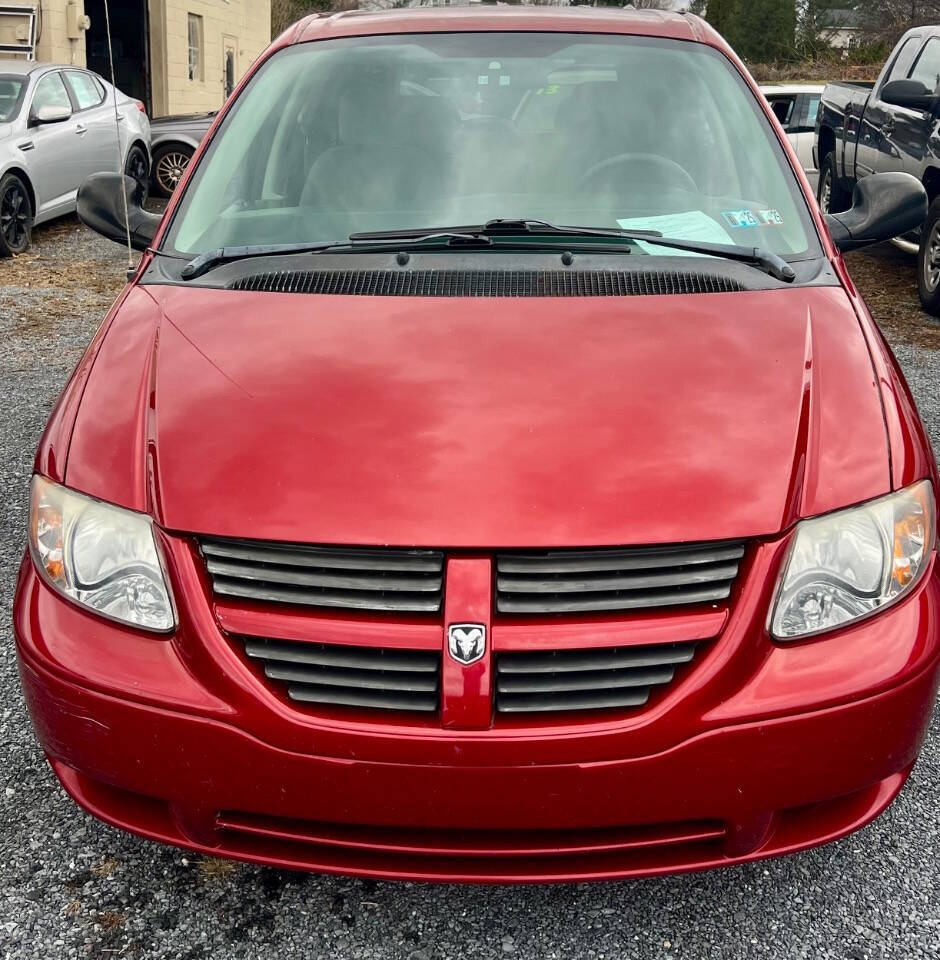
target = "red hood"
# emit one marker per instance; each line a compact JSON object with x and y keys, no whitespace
{"x":481,"y":422}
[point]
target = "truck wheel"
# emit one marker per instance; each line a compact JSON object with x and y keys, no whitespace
{"x":831,"y":198}
{"x":928,"y":261}
{"x":16,"y":216}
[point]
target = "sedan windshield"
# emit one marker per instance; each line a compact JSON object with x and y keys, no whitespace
{"x":398,"y":132}
{"x":11,"y":94}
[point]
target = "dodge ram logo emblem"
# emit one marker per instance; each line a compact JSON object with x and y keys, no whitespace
{"x":466,"y":641}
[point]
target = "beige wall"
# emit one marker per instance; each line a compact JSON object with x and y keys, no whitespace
{"x":54,"y":43}
{"x":246,"y":24}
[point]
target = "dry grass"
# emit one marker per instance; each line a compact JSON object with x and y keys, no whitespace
{"x":106,"y":868}
{"x":109,"y":919}
{"x":213,"y":869}
{"x":814,"y":71}
{"x":887,"y":279}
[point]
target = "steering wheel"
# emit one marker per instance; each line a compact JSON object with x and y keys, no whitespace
{"x":663,"y":171}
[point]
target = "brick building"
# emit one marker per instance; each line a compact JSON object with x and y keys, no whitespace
{"x":178,"y":56}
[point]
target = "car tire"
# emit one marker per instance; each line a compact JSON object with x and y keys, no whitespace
{"x":169,"y":164}
{"x":16,"y":216}
{"x":832,"y":199}
{"x":928,"y":261}
{"x":138,"y":167}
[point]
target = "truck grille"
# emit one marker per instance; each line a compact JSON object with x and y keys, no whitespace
{"x":571,"y":581}
{"x":351,"y":676}
{"x":595,"y":679}
{"x":406,"y":581}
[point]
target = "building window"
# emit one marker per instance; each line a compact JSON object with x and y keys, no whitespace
{"x":195,"y":47}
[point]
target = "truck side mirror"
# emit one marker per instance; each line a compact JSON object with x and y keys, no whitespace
{"x":101,"y":207}
{"x":884,"y":205}
{"x":911,"y":94}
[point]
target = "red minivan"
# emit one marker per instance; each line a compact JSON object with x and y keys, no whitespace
{"x":491,"y":472}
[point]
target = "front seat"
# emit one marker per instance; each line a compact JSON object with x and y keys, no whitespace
{"x":378,"y":163}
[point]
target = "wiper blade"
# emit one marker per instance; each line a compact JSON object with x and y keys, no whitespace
{"x":759,"y":257}
{"x":207,"y":261}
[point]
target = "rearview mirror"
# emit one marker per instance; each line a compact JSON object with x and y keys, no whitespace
{"x":884,"y":205}
{"x":909,"y":93}
{"x":49,"y":113}
{"x":101,"y":206}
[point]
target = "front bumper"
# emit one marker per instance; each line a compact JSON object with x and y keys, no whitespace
{"x":143,"y":737}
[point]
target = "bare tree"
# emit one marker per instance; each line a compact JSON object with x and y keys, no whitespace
{"x":883,"y":21}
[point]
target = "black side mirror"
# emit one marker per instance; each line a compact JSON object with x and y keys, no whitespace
{"x":884,"y":205}
{"x":101,"y":206}
{"x":909,"y":93}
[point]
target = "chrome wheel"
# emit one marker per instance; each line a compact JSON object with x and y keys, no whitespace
{"x":932,"y":258}
{"x":15,"y":216}
{"x":825,"y":192}
{"x":170,"y":169}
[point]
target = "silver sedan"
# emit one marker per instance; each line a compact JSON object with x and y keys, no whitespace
{"x":57,"y":127}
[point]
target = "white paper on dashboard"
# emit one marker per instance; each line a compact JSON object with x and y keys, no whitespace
{"x":694,"y":226}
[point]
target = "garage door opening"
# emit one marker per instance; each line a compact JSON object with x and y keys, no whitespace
{"x":129,"y":32}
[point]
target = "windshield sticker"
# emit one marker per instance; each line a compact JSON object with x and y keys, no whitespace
{"x":693,"y":225}
{"x":771,"y":218}
{"x":739,"y":219}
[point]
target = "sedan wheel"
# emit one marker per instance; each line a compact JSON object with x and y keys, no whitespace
{"x":138,"y":167}
{"x":932,"y":259}
{"x":16,"y":216}
{"x":168,"y":169}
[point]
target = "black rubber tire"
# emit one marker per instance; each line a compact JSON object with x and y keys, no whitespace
{"x":169,"y":151}
{"x":829,"y":177}
{"x":928,"y":261}
{"x":138,"y":167}
{"x":16,"y":216}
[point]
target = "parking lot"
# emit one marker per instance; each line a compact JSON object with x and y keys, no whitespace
{"x":71,"y":887}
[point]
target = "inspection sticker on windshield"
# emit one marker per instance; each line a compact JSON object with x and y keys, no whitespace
{"x":771,"y":218}
{"x":693,"y":225}
{"x":740,"y":218}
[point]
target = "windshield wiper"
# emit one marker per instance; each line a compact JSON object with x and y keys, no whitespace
{"x":763,"y":259}
{"x":207,"y":261}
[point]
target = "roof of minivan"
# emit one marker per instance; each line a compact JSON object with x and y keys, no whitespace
{"x":651,"y":23}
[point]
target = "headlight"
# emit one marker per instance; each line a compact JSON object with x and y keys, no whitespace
{"x":847,"y":565}
{"x":102,"y":557}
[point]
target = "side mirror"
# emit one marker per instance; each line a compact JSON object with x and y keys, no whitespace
{"x":884,"y":205}
{"x":49,"y":114}
{"x":101,"y":206}
{"x":909,"y":93}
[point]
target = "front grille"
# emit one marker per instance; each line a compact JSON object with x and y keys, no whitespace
{"x":487,"y":283}
{"x":351,"y":676}
{"x":594,"y":679}
{"x":405,"y":581}
{"x":571,"y":581}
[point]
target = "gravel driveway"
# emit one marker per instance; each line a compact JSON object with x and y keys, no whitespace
{"x":71,"y":887}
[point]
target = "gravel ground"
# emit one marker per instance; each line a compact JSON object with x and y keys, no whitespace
{"x":72,"y":887}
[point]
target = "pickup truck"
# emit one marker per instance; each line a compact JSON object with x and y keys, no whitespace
{"x":889,"y":126}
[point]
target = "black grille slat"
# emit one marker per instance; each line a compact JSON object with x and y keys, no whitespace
{"x":560,"y":681}
{"x":593,"y":680}
{"x":351,"y":676}
{"x":361,"y":679}
{"x":405,"y":581}
{"x":615,"y":658}
{"x":643,"y":578}
{"x":549,"y":703}
{"x":487,"y":283}
{"x":306,"y":578}
{"x":350,"y":657}
{"x":410,"y":702}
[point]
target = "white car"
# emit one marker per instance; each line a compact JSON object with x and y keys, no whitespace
{"x":796,"y":106}
{"x":57,"y":127}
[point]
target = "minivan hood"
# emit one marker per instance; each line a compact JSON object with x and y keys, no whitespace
{"x":478,"y":423}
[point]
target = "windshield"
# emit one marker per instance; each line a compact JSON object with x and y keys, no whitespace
{"x":11,"y":94}
{"x":336,"y":137}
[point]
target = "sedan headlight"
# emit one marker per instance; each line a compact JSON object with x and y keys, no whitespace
{"x":101,"y":556}
{"x":846,"y":565}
